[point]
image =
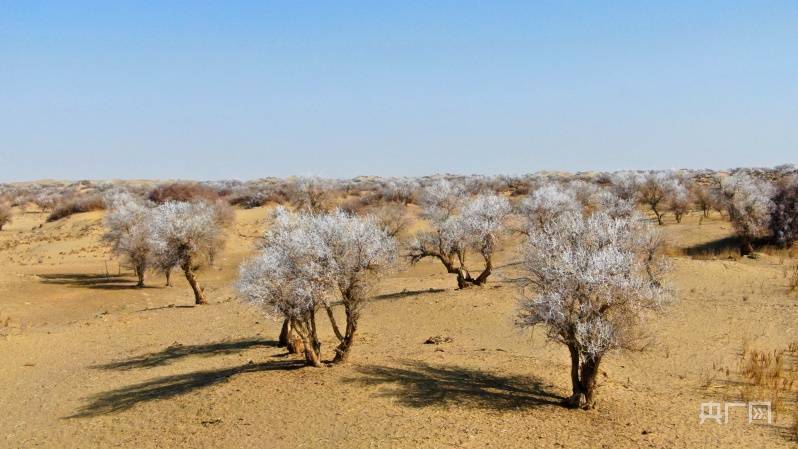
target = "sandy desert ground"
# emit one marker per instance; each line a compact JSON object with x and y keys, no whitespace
{"x":88,"y":361}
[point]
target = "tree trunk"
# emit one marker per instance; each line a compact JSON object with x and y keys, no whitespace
{"x":746,"y":247}
{"x":289,"y":339}
{"x":310,"y":343}
{"x":345,"y":346}
{"x":576,"y":386}
{"x":659,"y":216}
{"x":483,"y":277}
{"x":168,"y":275}
{"x":199,"y":294}
{"x":583,"y":381}
{"x":588,"y":375}
{"x":284,"y":333}
{"x":140,"y":275}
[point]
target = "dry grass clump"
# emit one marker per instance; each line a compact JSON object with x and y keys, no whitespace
{"x":793,"y":281}
{"x":184,"y":192}
{"x":77,"y":205}
{"x":768,"y":376}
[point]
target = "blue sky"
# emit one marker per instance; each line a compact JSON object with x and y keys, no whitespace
{"x":212,"y":90}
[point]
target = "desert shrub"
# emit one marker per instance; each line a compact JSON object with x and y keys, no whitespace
{"x":749,"y":206}
{"x":127,"y":225}
{"x":626,"y":184}
{"x":478,"y":227}
{"x":400,"y":190}
{"x":390,"y":218}
{"x":592,"y":286}
{"x":310,"y":194}
{"x":77,"y":205}
{"x":5,"y":215}
{"x":307,"y":261}
{"x":611,"y":204}
{"x":784,"y":215}
{"x":583,"y":191}
{"x":188,"y":233}
{"x":182,"y":192}
{"x":547,"y":203}
{"x":256,"y":195}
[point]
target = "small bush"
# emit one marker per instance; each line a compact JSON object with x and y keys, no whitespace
{"x":77,"y":206}
{"x":183,"y":192}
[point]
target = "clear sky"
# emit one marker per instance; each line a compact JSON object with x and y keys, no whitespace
{"x":226,"y":89}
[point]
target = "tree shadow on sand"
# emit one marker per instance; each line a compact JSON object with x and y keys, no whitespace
{"x":407,"y":293}
{"x":178,"y":351}
{"x":170,"y":386}
{"x":95,"y":281}
{"x":419,"y":384}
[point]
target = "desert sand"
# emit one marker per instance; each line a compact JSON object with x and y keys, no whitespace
{"x":89,"y":361}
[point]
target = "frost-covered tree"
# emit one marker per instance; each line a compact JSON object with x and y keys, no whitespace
{"x":358,"y":252}
{"x":288,"y":278}
{"x":784,"y":218}
{"x":127,"y":225}
{"x":591,"y":282}
{"x":547,"y":203}
{"x":5,"y":215}
{"x":309,"y":262}
{"x":441,"y":200}
{"x":310,"y":194}
{"x":188,"y":233}
{"x":626,"y":184}
{"x":613,"y":205}
{"x":478,"y":226}
{"x":483,"y":220}
{"x":749,"y":205}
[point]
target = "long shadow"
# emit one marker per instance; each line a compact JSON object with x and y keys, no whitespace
{"x":714,"y":247}
{"x":179,"y":351}
{"x":96,"y":281}
{"x":407,"y":293}
{"x":169,"y":386}
{"x":420,"y":384}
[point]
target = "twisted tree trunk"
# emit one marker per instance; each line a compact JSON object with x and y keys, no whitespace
{"x":199,"y":294}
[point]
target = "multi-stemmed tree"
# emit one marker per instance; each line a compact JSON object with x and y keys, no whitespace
{"x":478,"y":226}
{"x":309,"y":262}
{"x":359,"y":253}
